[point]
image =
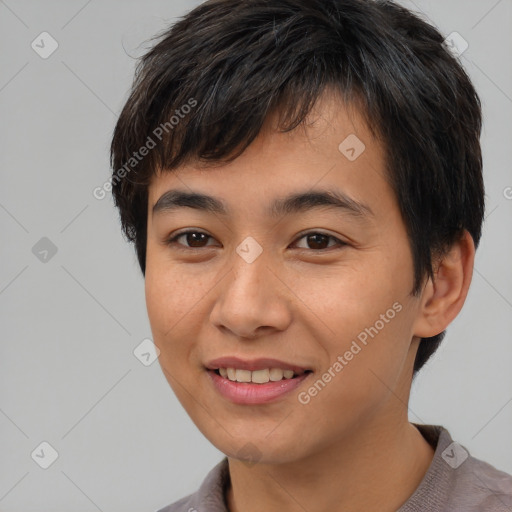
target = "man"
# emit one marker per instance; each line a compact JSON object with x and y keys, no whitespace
{"x":303,"y":184}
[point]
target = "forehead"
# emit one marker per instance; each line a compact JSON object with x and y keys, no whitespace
{"x":333,"y":150}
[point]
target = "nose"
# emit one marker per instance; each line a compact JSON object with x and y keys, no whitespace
{"x":252,"y":300}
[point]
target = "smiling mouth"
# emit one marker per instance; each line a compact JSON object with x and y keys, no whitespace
{"x":263,"y":376}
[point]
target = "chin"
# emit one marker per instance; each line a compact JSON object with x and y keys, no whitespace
{"x":255,"y":448}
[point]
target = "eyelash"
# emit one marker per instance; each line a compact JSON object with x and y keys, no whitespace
{"x":174,"y":238}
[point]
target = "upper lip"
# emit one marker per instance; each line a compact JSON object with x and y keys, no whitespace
{"x":253,"y":364}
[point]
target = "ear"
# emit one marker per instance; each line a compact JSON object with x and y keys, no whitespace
{"x":442,"y":298}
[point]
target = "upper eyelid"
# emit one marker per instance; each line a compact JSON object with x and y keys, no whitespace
{"x":174,"y":237}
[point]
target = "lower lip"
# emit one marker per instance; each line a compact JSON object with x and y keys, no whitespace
{"x":247,"y":393}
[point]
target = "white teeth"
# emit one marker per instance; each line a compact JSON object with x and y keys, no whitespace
{"x":276,"y":374}
{"x":257,"y":376}
{"x":243,"y":375}
{"x":260,"y":376}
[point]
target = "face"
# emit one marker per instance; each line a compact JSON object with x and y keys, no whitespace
{"x":321,"y":289}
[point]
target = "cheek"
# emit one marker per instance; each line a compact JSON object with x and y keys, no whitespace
{"x":170,"y":292}
{"x":177,"y":302}
{"x":360,"y":377}
{"x":366,"y":316}
{"x":160,"y":302}
{"x":173,"y":310}
{"x":352,"y":297}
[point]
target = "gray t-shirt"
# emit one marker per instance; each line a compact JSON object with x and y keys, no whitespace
{"x":455,"y":482}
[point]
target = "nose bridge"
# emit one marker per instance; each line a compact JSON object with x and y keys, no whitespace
{"x":250,"y":298}
{"x":249,"y":269}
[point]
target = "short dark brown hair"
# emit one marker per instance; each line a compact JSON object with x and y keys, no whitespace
{"x":204,"y":91}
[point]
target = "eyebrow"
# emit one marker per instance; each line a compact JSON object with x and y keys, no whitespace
{"x":300,"y":202}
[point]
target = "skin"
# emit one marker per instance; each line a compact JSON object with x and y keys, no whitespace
{"x":351,"y":447}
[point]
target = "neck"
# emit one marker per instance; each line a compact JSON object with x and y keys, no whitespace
{"x":373,"y":469}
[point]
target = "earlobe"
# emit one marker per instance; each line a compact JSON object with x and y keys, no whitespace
{"x":443,"y":298}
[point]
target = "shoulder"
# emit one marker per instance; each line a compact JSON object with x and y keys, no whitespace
{"x":457,"y":481}
{"x":210,"y":495}
{"x":182,"y":505}
{"x":482,"y":487}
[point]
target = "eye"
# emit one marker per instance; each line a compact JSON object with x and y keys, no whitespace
{"x":317,"y":240}
{"x":192,"y":237}
{"x":196,"y":240}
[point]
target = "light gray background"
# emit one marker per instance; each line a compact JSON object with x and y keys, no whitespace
{"x":70,"y":325}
